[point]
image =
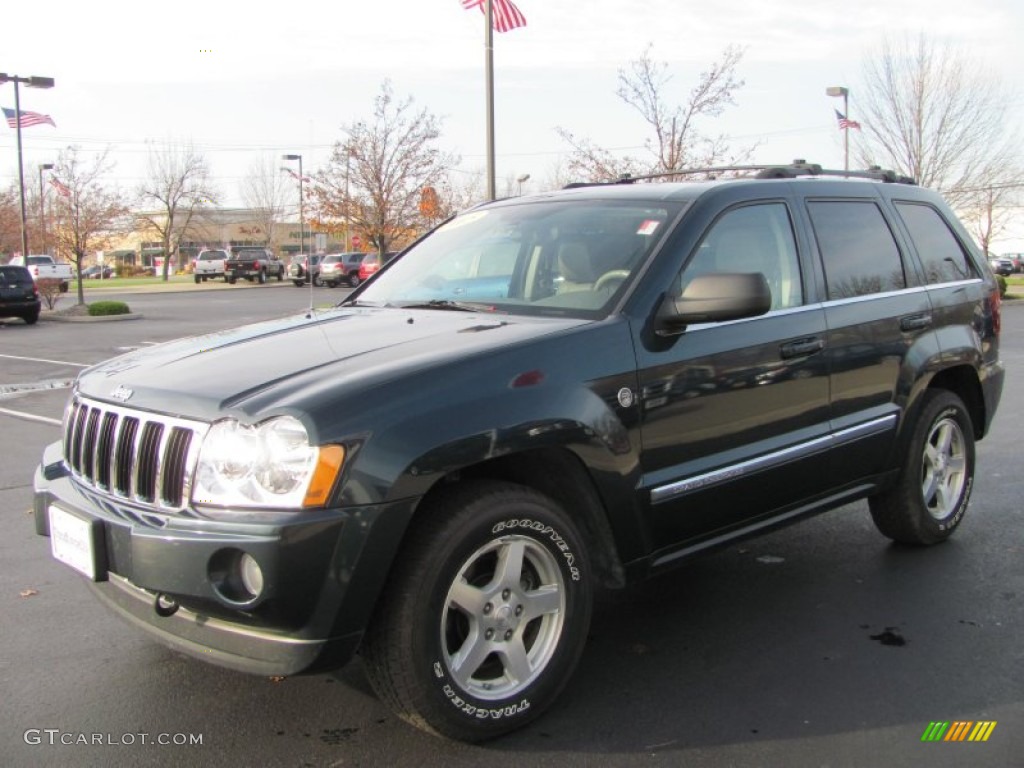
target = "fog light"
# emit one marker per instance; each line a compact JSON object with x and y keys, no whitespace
{"x":252,"y":575}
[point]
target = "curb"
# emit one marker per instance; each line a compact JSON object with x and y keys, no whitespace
{"x":89,"y":318}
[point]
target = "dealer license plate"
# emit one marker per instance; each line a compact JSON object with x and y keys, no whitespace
{"x":72,"y":541}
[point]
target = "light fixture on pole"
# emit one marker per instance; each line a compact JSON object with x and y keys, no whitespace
{"x":32,"y":82}
{"x":42,"y":202}
{"x":839,"y":90}
{"x":525,"y":177}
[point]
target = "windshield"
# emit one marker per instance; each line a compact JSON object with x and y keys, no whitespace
{"x":566,"y":258}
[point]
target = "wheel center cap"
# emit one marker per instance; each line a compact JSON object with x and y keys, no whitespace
{"x":504,"y":618}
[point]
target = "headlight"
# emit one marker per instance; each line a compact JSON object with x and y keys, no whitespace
{"x":267,"y":465}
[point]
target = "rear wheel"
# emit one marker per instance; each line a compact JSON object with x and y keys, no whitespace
{"x":261,"y":277}
{"x":31,"y":317}
{"x":316,"y":280}
{"x":299,"y":283}
{"x":930,"y":498}
{"x":353,"y":280}
{"x":197,"y":279}
{"x":485,"y":614}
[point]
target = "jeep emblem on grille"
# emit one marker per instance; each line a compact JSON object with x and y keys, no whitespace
{"x":121,"y":393}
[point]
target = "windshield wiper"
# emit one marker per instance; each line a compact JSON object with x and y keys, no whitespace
{"x":459,"y":306}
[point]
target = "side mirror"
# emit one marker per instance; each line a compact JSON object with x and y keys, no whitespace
{"x":715,"y":298}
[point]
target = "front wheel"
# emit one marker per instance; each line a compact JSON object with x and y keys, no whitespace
{"x":316,"y":281}
{"x":930,"y":498}
{"x":485,"y":614}
{"x":198,"y":279}
{"x":353,"y":280}
{"x":261,"y":277}
{"x":299,"y":283}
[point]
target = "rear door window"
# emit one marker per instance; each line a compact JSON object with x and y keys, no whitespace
{"x":858,"y":250}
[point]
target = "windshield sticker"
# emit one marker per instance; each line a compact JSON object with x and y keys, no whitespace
{"x":648,"y":227}
{"x":462,"y":221}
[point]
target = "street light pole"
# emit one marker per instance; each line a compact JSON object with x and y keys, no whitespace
{"x":839,"y":90}
{"x":302,"y":231}
{"x":32,"y":82}
{"x":42,"y":202}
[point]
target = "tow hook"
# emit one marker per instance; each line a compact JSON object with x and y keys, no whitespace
{"x":165,"y":606}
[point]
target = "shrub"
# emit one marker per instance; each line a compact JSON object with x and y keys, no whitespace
{"x":100,"y":308}
{"x":49,"y":291}
{"x":1002,"y":286}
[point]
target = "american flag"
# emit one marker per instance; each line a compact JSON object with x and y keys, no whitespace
{"x":62,"y":189}
{"x":27,"y":118}
{"x":504,"y":15}
{"x":845,"y":123}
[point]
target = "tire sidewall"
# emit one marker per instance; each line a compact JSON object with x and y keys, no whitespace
{"x":941,"y":408}
{"x":467,"y":716}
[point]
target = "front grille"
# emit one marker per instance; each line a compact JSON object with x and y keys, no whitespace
{"x":143,"y":457}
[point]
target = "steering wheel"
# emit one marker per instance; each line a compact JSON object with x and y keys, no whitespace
{"x":610,"y":276}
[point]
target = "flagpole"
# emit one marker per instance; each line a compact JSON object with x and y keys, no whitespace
{"x":21,"y":174}
{"x":846,"y":130}
{"x":489,"y":69}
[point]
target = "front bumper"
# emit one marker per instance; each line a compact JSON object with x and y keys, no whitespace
{"x":170,"y":574}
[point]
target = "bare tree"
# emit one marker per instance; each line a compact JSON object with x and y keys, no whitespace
{"x":987,"y":211}
{"x":266,"y":193}
{"x":177,"y":186}
{"x":85,"y":212}
{"x":677,"y":141}
{"x":931,"y":113}
{"x":375,"y":178}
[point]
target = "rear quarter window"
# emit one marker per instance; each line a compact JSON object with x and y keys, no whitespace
{"x":941,"y":254}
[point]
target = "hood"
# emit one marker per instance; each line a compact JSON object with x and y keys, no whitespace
{"x":253,"y":367}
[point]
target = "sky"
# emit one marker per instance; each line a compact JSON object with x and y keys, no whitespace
{"x":243,"y":81}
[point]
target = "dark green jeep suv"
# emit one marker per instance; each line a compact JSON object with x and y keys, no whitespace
{"x":544,"y":395}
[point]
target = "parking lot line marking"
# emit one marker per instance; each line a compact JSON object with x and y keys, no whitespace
{"x":31,"y":417}
{"x":44,"y":360}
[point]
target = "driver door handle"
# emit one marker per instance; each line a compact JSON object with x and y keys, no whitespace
{"x":802,"y":347}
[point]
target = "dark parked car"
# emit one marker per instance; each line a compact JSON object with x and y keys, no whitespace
{"x":19,"y":296}
{"x":98,"y":272}
{"x":1001,"y":265}
{"x":254,"y":263}
{"x":542,"y":397}
{"x":1016,"y":259}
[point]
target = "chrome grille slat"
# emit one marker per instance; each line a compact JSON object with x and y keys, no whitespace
{"x":142,"y":457}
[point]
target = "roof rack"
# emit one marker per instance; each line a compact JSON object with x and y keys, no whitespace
{"x":794,"y":170}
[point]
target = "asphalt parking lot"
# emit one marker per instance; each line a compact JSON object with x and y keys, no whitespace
{"x":819,"y":645}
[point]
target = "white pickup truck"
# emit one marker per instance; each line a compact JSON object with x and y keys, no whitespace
{"x":210,"y":264}
{"x":44,"y":267}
